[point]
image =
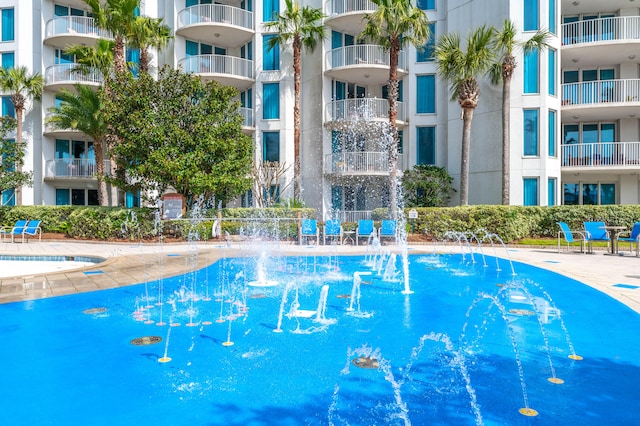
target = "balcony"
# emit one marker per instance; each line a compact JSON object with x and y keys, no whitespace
{"x":346,"y":15}
{"x":590,"y":42}
{"x":248,"y":122}
{"x":227,"y":70}
{"x":73,"y":168}
{"x":362,"y":63}
{"x":359,"y":163}
{"x":347,"y":113}
{"x":61,"y":76}
{"x":601,"y":99}
{"x":219,"y":24}
{"x":65,"y":31}
{"x":608,"y":156}
{"x":49,"y":130}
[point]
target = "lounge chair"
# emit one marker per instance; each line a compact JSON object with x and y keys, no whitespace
{"x":595,"y":231}
{"x":632,"y":237}
{"x":309,"y":229}
{"x":16,"y":229}
{"x":365,"y":229}
{"x":31,"y":230}
{"x":333,"y":230}
{"x":570,"y":236}
{"x":388,"y":229}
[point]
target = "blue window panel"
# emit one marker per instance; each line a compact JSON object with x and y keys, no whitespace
{"x":607,"y":193}
{"x":426,"y":145}
{"x":551,"y":191}
{"x":132,"y":199}
{"x":271,"y":146}
{"x":8,"y":197}
{"x":400,"y":142}
{"x":60,"y":10}
{"x":270,"y":57}
{"x":552,"y":72}
{"x":426,"y":4}
{"x":531,"y":80}
{"x":426,"y":54}
{"x":271,"y":101}
{"x":62,"y":197}
{"x":531,"y":133}
{"x":336,"y":198}
{"x":8,"y":24}
{"x":426,"y":94}
{"x":192,"y":48}
{"x":552,"y":133}
{"x":530,"y":191}
{"x":531,"y":13}
{"x":336,"y":39}
{"x":191,"y":3}
{"x":552,"y":16}
{"x":270,"y":9}
{"x":7,"y":107}
{"x":133,"y":60}
{"x":8,"y":60}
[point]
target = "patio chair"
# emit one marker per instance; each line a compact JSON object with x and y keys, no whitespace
{"x":569,"y":236}
{"x":309,"y":229}
{"x":388,"y":229}
{"x":595,"y":231}
{"x":30,"y":230}
{"x":333,"y":230}
{"x":632,"y":237}
{"x":16,"y":229}
{"x":365,"y":229}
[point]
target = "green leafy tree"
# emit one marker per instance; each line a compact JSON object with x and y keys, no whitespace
{"x":148,"y":33}
{"x":21,"y":86}
{"x":93,"y":58}
{"x":427,"y":186}
{"x":462,"y":68}
{"x":178,"y":133}
{"x":82,"y":110}
{"x":11,"y":159}
{"x":393,"y":25}
{"x":502,"y":71}
{"x":302,"y":28}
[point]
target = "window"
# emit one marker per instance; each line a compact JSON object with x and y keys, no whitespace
{"x":552,"y":133}
{"x":7,"y":24}
{"x":133,"y":60}
{"x":551,"y":191}
{"x":271,"y":101}
{"x":426,"y":145}
{"x":552,"y":16}
{"x":270,"y":57}
{"x":552,"y":72}
{"x":8,"y":197}
{"x":425,"y":94}
{"x":247,"y":199}
{"x":7,"y":60}
{"x":531,"y":11}
{"x":426,"y":54}
{"x":531,"y":83}
{"x":7,"y":107}
{"x":426,"y":4}
{"x":132,"y":199}
{"x":589,"y":193}
{"x":530,"y":191}
{"x":269,"y":10}
{"x":271,"y":146}
{"x":76,"y":197}
{"x":530,"y":135}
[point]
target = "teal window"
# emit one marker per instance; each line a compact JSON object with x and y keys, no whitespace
{"x":589,"y":193}
{"x":552,"y":16}
{"x":426,"y":4}
{"x":531,"y":133}
{"x":551,"y":191}
{"x":552,"y":133}
{"x":400,"y":142}
{"x":336,"y":198}
{"x":62,"y":197}
{"x":271,"y":101}
{"x":8,"y":25}
{"x":7,"y":60}
{"x":531,"y":12}
{"x":530,"y":191}
{"x":552,"y":72}
{"x":426,"y":145}
{"x":192,"y":48}
{"x":7,"y":107}
{"x":133,"y":60}
{"x":132,"y":199}
{"x":8,"y":197}
{"x":426,"y":54}
{"x":271,"y":146}
{"x":607,"y":193}
{"x":426,"y":94}
{"x":270,"y":8}
{"x":270,"y":57}
{"x":531,"y":80}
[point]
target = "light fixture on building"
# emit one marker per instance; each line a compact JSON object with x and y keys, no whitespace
{"x":632,"y":116}
{"x":631,"y":57}
{"x":216,"y":35}
{"x":575,"y":60}
{"x":575,"y":117}
{"x":575,"y":3}
{"x":366,"y":76}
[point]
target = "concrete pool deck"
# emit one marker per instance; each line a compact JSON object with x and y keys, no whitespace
{"x":132,"y":263}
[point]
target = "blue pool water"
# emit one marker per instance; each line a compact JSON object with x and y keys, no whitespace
{"x":467,"y":347}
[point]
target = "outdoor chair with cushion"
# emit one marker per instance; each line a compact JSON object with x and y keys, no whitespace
{"x":332,"y":230}
{"x":31,"y":230}
{"x":570,"y":236}
{"x":595,"y":231}
{"x":309,"y":229}
{"x":632,"y":237}
{"x":365,"y":229}
{"x":16,"y":229}
{"x":388,"y":229}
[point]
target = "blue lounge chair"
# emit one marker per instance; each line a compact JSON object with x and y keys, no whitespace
{"x":632,"y":237}
{"x":309,"y":229}
{"x":333,"y":230}
{"x":31,"y":230}
{"x":16,"y":229}
{"x":365,"y":229}
{"x":388,"y":229}
{"x":595,"y":231}
{"x":570,"y":236}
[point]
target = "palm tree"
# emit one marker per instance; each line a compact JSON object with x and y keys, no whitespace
{"x":94,"y":58}
{"x":462,"y":69}
{"x":303,"y":28}
{"x":82,"y":110}
{"x":502,"y":70}
{"x":22,"y":86}
{"x":148,"y":32}
{"x":395,"y":24}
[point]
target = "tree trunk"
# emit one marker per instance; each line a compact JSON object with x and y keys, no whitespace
{"x":118,"y":55}
{"x":467,"y":116}
{"x":100,"y":172}
{"x":393,"y":111}
{"x":297,"y":47}
{"x":19,"y":112}
{"x":506,"y":140}
{"x":144,"y":60}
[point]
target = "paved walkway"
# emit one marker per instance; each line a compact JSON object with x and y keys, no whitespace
{"x":131,"y":263}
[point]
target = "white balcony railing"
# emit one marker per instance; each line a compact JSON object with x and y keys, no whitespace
{"x":63,"y":73}
{"x":248,"y":117}
{"x":362,"y":54}
{"x":602,"y":29}
{"x":216,"y":13}
{"x":360,"y":162}
{"x":603,"y":154}
{"x":218,"y":64}
{"x":79,"y":25}
{"x":73,"y":168}
{"x":349,"y":6}
{"x":363,"y":109}
{"x":601,"y":91}
{"x":352,"y":215}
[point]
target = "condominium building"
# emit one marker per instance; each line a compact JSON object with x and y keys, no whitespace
{"x":574,"y":107}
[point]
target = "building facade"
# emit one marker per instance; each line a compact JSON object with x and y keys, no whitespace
{"x":574,"y":106}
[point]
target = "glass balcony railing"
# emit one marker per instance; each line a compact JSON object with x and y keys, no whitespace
{"x":339,"y":7}
{"x":73,"y":168}
{"x":218,"y":64}
{"x":67,"y":73}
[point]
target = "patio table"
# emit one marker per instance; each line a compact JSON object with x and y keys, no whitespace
{"x":613,"y":231}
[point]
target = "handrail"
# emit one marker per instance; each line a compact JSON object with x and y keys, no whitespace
{"x":73,"y":167}
{"x":339,"y":7}
{"x":363,"y":109}
{"x":80,"y":25}
{"x":68,"y":72}
{"x":602,"y":154}
{"x":215,"y":13}
{"x":359,"y":162}
{"x":601,"y":91}
{"x":362,"y":54}
{"x":217,"y":64}
{"x":608,"y":29}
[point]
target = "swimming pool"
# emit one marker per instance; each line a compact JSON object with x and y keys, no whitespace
{"x":471,"y":345}
{"x":20,"y":265}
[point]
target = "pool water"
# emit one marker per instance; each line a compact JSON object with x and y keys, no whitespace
{"x":471,"y":345}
